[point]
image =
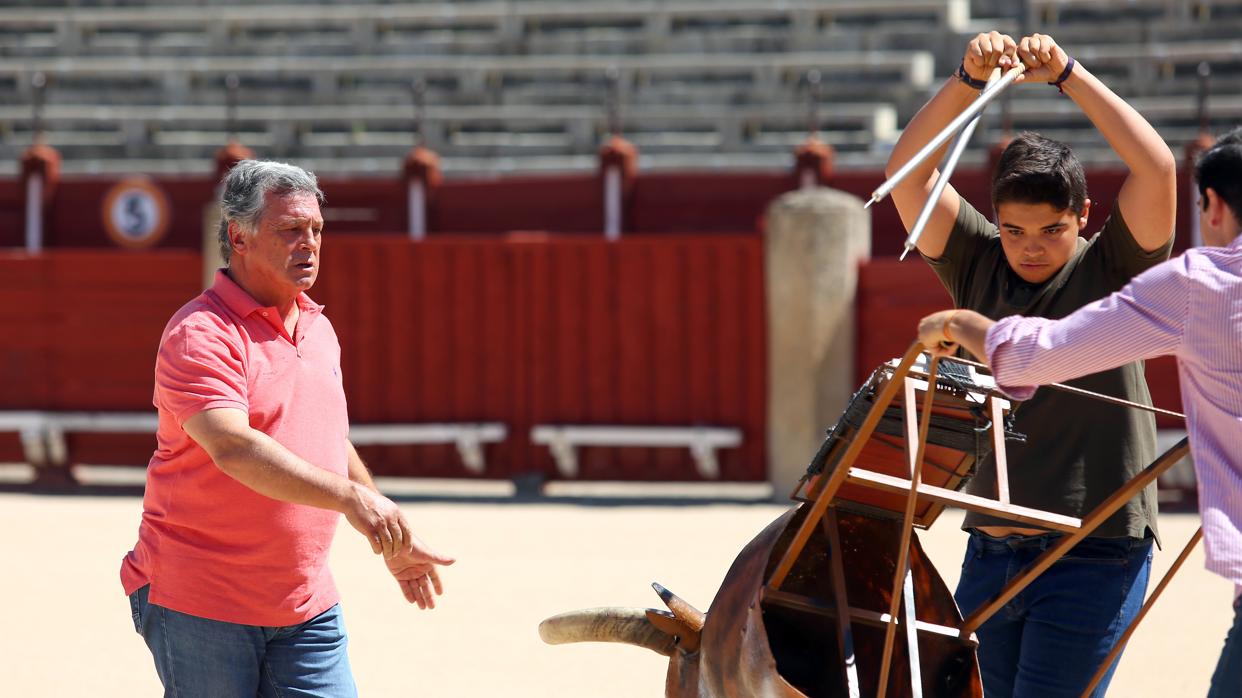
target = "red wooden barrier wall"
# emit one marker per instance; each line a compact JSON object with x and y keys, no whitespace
{"x":522,"y":330}
{"x":570,"y":204}
{"x":12,"y":213}
{"x":683,"y":202}
{"x":551,"y":330}
{"x":892,"y":296}
{"x":79,"y":332}
{"x":665,"y":328}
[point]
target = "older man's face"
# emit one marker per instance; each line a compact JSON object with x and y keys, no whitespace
{"x":285,"y":246}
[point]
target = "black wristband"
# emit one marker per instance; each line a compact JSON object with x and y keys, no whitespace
{"x":969,"y":81}
{"x":1069,"y":68}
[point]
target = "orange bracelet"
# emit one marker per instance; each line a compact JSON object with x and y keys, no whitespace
{"x":944,"y":329}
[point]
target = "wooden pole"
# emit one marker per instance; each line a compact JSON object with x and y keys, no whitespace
{"x":1089,"y":523}
{"x":1151,"y":601}
{"x":899,"y":573}
{"x":834,"y":482}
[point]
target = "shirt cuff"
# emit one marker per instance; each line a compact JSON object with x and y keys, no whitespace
{"x":994,"y":345}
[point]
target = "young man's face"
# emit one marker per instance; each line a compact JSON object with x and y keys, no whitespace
{"x":1038,"y":239}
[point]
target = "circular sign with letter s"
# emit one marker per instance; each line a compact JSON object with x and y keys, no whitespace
{"x":135,"y":213}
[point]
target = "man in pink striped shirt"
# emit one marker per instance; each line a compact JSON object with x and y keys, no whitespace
{"x":1189,"y":307}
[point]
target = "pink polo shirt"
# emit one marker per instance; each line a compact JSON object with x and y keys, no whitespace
{"x":208,"y":545}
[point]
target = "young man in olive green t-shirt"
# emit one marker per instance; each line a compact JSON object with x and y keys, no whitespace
{"x":1052,"y":637}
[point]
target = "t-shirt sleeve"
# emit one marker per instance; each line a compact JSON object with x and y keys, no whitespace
{"x":198,"y":368}
{"x":1122,"y":257}
{"x":971,"y":235}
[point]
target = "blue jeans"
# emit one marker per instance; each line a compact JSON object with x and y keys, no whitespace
{"x":1051,"y":638}
{"x":1227,"y":679}
{"x":200,"y":657}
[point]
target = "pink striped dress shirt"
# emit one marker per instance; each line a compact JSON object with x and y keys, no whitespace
{"x":1190,"y":307}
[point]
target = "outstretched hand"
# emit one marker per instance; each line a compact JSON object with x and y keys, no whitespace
{"x":415,"y":568}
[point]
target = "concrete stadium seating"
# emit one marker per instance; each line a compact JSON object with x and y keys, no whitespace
{"x":363,"y":27}
{"x":140,"y":84}
{"x":1054,"y":13}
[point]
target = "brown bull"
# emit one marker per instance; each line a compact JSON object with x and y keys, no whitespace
{"x":746,"y":647}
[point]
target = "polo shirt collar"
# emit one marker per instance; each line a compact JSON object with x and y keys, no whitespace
{"x":243,"y":304}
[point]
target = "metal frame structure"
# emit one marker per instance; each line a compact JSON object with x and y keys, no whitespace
{"x":820,"y":494}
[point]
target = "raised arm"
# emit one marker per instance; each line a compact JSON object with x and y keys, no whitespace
{"x":984,"y":53}
{"x":1149,"y":195}
{"x":261,"y":463}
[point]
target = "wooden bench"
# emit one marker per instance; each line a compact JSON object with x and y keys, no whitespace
{"x":43,"y":434}
{"x":563,"y":441}
{"x":469,"y":438}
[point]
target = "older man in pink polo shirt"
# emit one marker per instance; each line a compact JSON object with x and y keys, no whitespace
{"x":229,"y":582}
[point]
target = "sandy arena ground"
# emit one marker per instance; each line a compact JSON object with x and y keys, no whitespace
{"x":68,"y":630}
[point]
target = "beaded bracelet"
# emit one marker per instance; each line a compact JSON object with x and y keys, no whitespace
{"x":1069,"y":68}
{"x":967,"y":80}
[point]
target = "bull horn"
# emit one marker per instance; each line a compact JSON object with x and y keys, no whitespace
{"x":684,"y":612}
{"x":625,"y":625}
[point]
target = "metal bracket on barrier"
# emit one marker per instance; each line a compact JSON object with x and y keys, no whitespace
{"x":30,"y":427}
{"x":34,"y":446}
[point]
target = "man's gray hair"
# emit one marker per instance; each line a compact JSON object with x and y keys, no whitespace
{"x":245,"y":189}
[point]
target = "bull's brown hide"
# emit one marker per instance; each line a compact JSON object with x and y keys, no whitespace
{"x":804,"y":644}
{"x":750,"y":648}
{"x":736,"y":660}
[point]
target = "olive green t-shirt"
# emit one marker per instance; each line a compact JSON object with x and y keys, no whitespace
{"x":1078,"y":451}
